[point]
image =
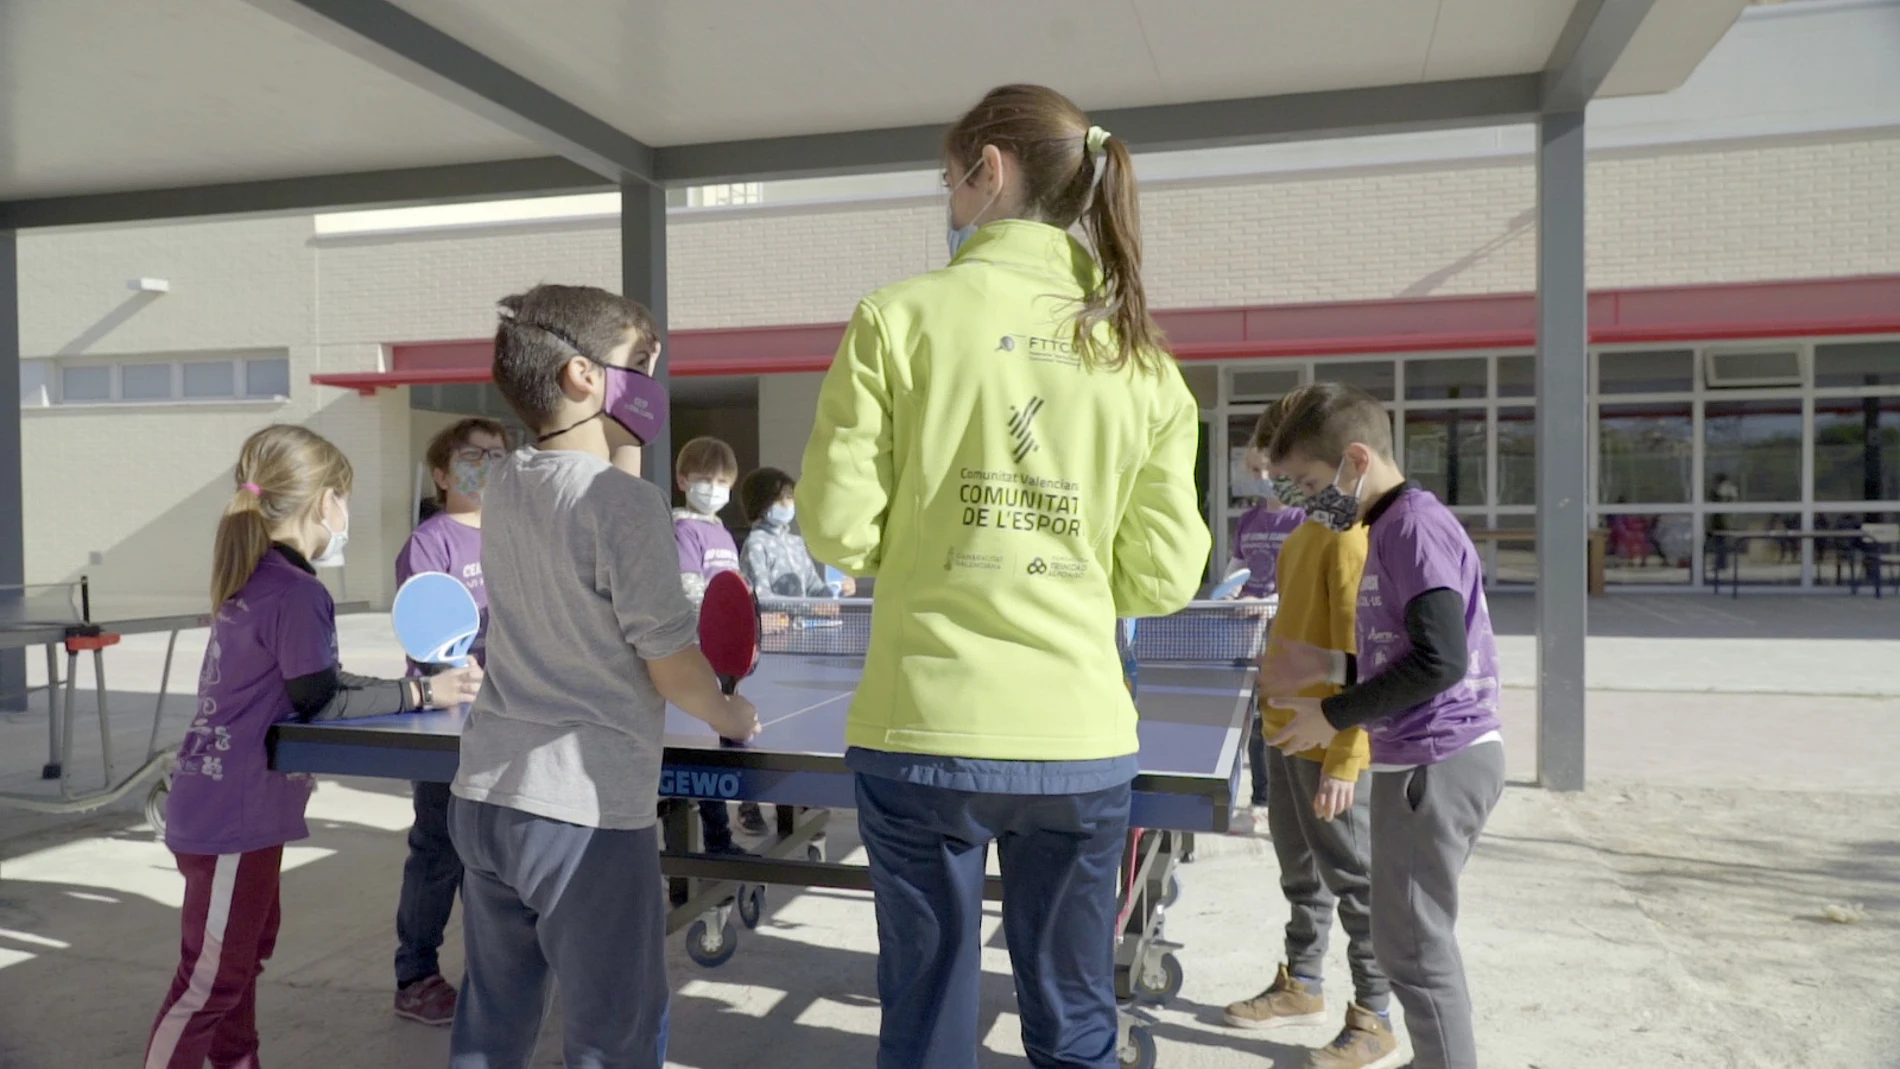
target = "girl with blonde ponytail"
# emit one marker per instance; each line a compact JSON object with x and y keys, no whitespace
{"x":272,"y":656}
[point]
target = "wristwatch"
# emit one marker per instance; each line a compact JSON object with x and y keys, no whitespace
{"x":426,"y":691}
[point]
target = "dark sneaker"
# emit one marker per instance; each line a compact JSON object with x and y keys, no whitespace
{"x":430,"y":1001}
{"x":752,"y":819}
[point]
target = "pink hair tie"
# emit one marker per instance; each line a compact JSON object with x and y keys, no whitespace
{"x":252,"y":487}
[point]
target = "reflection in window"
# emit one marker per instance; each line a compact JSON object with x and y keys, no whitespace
{"x":1517,"y":376}
{"x":1462,"y":379}
{"x":1517,"y":456}
{"x":1857,"y":449}
{"x":1752,"y":450}
{"x":1374,"y":377}
{"x":1860,"y":364}
{"x":1672,"y":371}
{"x":1646,"y":453}
{"x":1444,"y":453}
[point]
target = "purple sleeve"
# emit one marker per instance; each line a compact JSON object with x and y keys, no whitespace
{"x":422,"y":553}
{"x":1420,"y":555}
{"x":304,"y":639}
{"x":692,"y":550}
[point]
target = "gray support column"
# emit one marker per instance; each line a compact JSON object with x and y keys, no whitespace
{"x":643,"y":277}
{"x":12,"y":463}
{"x":1563,"y":490}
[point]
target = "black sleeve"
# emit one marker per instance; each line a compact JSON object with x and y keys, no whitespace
{"x":333,"y":694}
{"x":1435,"y":623}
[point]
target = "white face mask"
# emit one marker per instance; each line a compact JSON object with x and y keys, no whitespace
{"x":706,"y":497}
{"x":332,"y":554}
{"x":780,"y":515}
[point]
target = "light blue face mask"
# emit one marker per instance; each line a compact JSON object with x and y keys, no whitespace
{"x":780,"y":515}
{"x":955,"y":234}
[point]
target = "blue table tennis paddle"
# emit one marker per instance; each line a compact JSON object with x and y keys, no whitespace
{"x":436,"y":619}
{"x":835,"y":580}
{"x":1231,"y":585}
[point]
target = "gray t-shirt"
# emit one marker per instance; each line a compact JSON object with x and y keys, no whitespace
{"x":583,"y":590}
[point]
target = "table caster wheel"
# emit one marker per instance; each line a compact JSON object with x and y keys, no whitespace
{"x":1171,"y":891}
{"x":752,"y":905}
{"x":155,"y":806}
{"x":1159,"y":979}
{"x":708,"y":949}
{"x":1137,"y":1048}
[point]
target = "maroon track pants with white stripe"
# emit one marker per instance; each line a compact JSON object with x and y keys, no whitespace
{"x":230,"y":927}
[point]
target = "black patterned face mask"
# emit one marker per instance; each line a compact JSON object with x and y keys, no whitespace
{"x":1287,"y":491}
{"x":1334,"y":507}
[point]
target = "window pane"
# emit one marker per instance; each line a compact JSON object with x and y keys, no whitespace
{"x":1444,"y":453}
{"x":1517,"y":456}
{"x":33,"y":384}
{"x":1857,"y":449}
{"x":211,"y":379}
{"x":1512,"y":563}
{"x":1865,"y":364}
{"x":145,"y":382}
{"x":1517,"y":376}
{"x":1842,"y":561}
{"x":1647,"y":549}
{"x":1658,"y":372}
{"x":81,"y":384}
{"x":1745,"y":545}
{"x":1446,"y":380}
{"x":1374,"y":377}
{"x":1753,"y":450}
{"x":1239,"y":435}
{"x":267,"y":378}
{"x":1645,"y":453}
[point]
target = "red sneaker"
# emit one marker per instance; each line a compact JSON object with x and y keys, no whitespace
{"x":430,"y":1001}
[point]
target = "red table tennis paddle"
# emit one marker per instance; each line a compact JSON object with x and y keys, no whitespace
{"x":729,"y":631}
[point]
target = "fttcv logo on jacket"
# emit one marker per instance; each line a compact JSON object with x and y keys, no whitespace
{"x":1022,"y":430}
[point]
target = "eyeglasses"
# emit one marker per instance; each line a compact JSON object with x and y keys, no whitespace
{"x":475,"y":454}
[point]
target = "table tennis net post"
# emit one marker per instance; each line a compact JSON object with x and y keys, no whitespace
{"x":1220,"y":632}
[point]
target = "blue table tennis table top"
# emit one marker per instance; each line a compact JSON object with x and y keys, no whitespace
{"x":1194,"y":719}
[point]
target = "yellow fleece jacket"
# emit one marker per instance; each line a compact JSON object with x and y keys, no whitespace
{"x":1319,"y":588}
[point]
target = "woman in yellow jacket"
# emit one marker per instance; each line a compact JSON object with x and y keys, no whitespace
{"x":1006,"y":447}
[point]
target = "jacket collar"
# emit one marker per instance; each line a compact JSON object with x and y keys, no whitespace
{"x":1037,"y":246}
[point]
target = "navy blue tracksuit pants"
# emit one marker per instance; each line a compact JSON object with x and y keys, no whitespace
{"x":1061,"y":862}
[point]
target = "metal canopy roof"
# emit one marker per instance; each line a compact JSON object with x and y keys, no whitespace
{"x":117,"y":110}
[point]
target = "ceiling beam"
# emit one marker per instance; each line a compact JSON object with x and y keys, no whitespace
{"x":1168,"y":127}
{"x":1592,"y":41}
{"x":394,"y":40}
{"x":368,"y":189}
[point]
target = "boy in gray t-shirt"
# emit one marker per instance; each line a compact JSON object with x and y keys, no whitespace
{"x":589,"y":638}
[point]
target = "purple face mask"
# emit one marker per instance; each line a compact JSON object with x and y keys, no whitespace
{"x":636,"y":401}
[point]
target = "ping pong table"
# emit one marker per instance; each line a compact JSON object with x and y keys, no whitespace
{"x":1193,"y":676}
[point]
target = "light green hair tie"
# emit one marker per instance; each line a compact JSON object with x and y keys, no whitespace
{"x":1097,"y":140}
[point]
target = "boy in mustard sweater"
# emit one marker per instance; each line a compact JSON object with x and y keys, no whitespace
{"x":1317,"y":810}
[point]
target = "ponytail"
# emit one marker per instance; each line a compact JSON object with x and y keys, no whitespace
{"x":1113,"y":225}
{"x":282,"y":474}
{"x":1073,"y":172}
{"x":242,"y":540}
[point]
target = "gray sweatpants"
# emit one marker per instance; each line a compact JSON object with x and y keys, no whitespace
{"x":1425,"y":822}
{"x":539,"y":895}
{"x":1323,"y":864}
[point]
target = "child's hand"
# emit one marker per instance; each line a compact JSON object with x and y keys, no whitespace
{"x":1308,"y":730}
{"x":848,"y":588}
{"x":457,"y":686}
{"x":736,"y":719}
{"x":1290,"y":666}
{"x":1334,"y":797}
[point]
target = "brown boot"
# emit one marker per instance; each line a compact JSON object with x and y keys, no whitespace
{"x":1286,"y":1004}
{"x":1367,"y":1042}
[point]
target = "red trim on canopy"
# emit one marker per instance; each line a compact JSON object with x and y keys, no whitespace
{"x":1665,"y":315}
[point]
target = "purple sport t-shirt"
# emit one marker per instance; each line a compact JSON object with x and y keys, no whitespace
{"x":706,"y":547}
{"x":225,"y":799}
{"x":444,"y":544}
{"x":1257,"y":541}
{"x":1418,"y":545}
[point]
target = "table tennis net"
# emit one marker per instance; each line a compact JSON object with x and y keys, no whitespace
{"x":39,"y":605}
{"x":1218,"y":632}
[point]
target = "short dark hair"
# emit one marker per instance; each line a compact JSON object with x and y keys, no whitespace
{"x":1319,"y":421}
{"x":443,"y":446}
{"x":706,"y":456}
{"x":545,"y":328}
{"x":762,"y":489}
{"x":1267,"y":424}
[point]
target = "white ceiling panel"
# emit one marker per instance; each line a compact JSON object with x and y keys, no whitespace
{"x":1670,"y":44}
{"x":99,"y":95}
{"x":1479,"y":38}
